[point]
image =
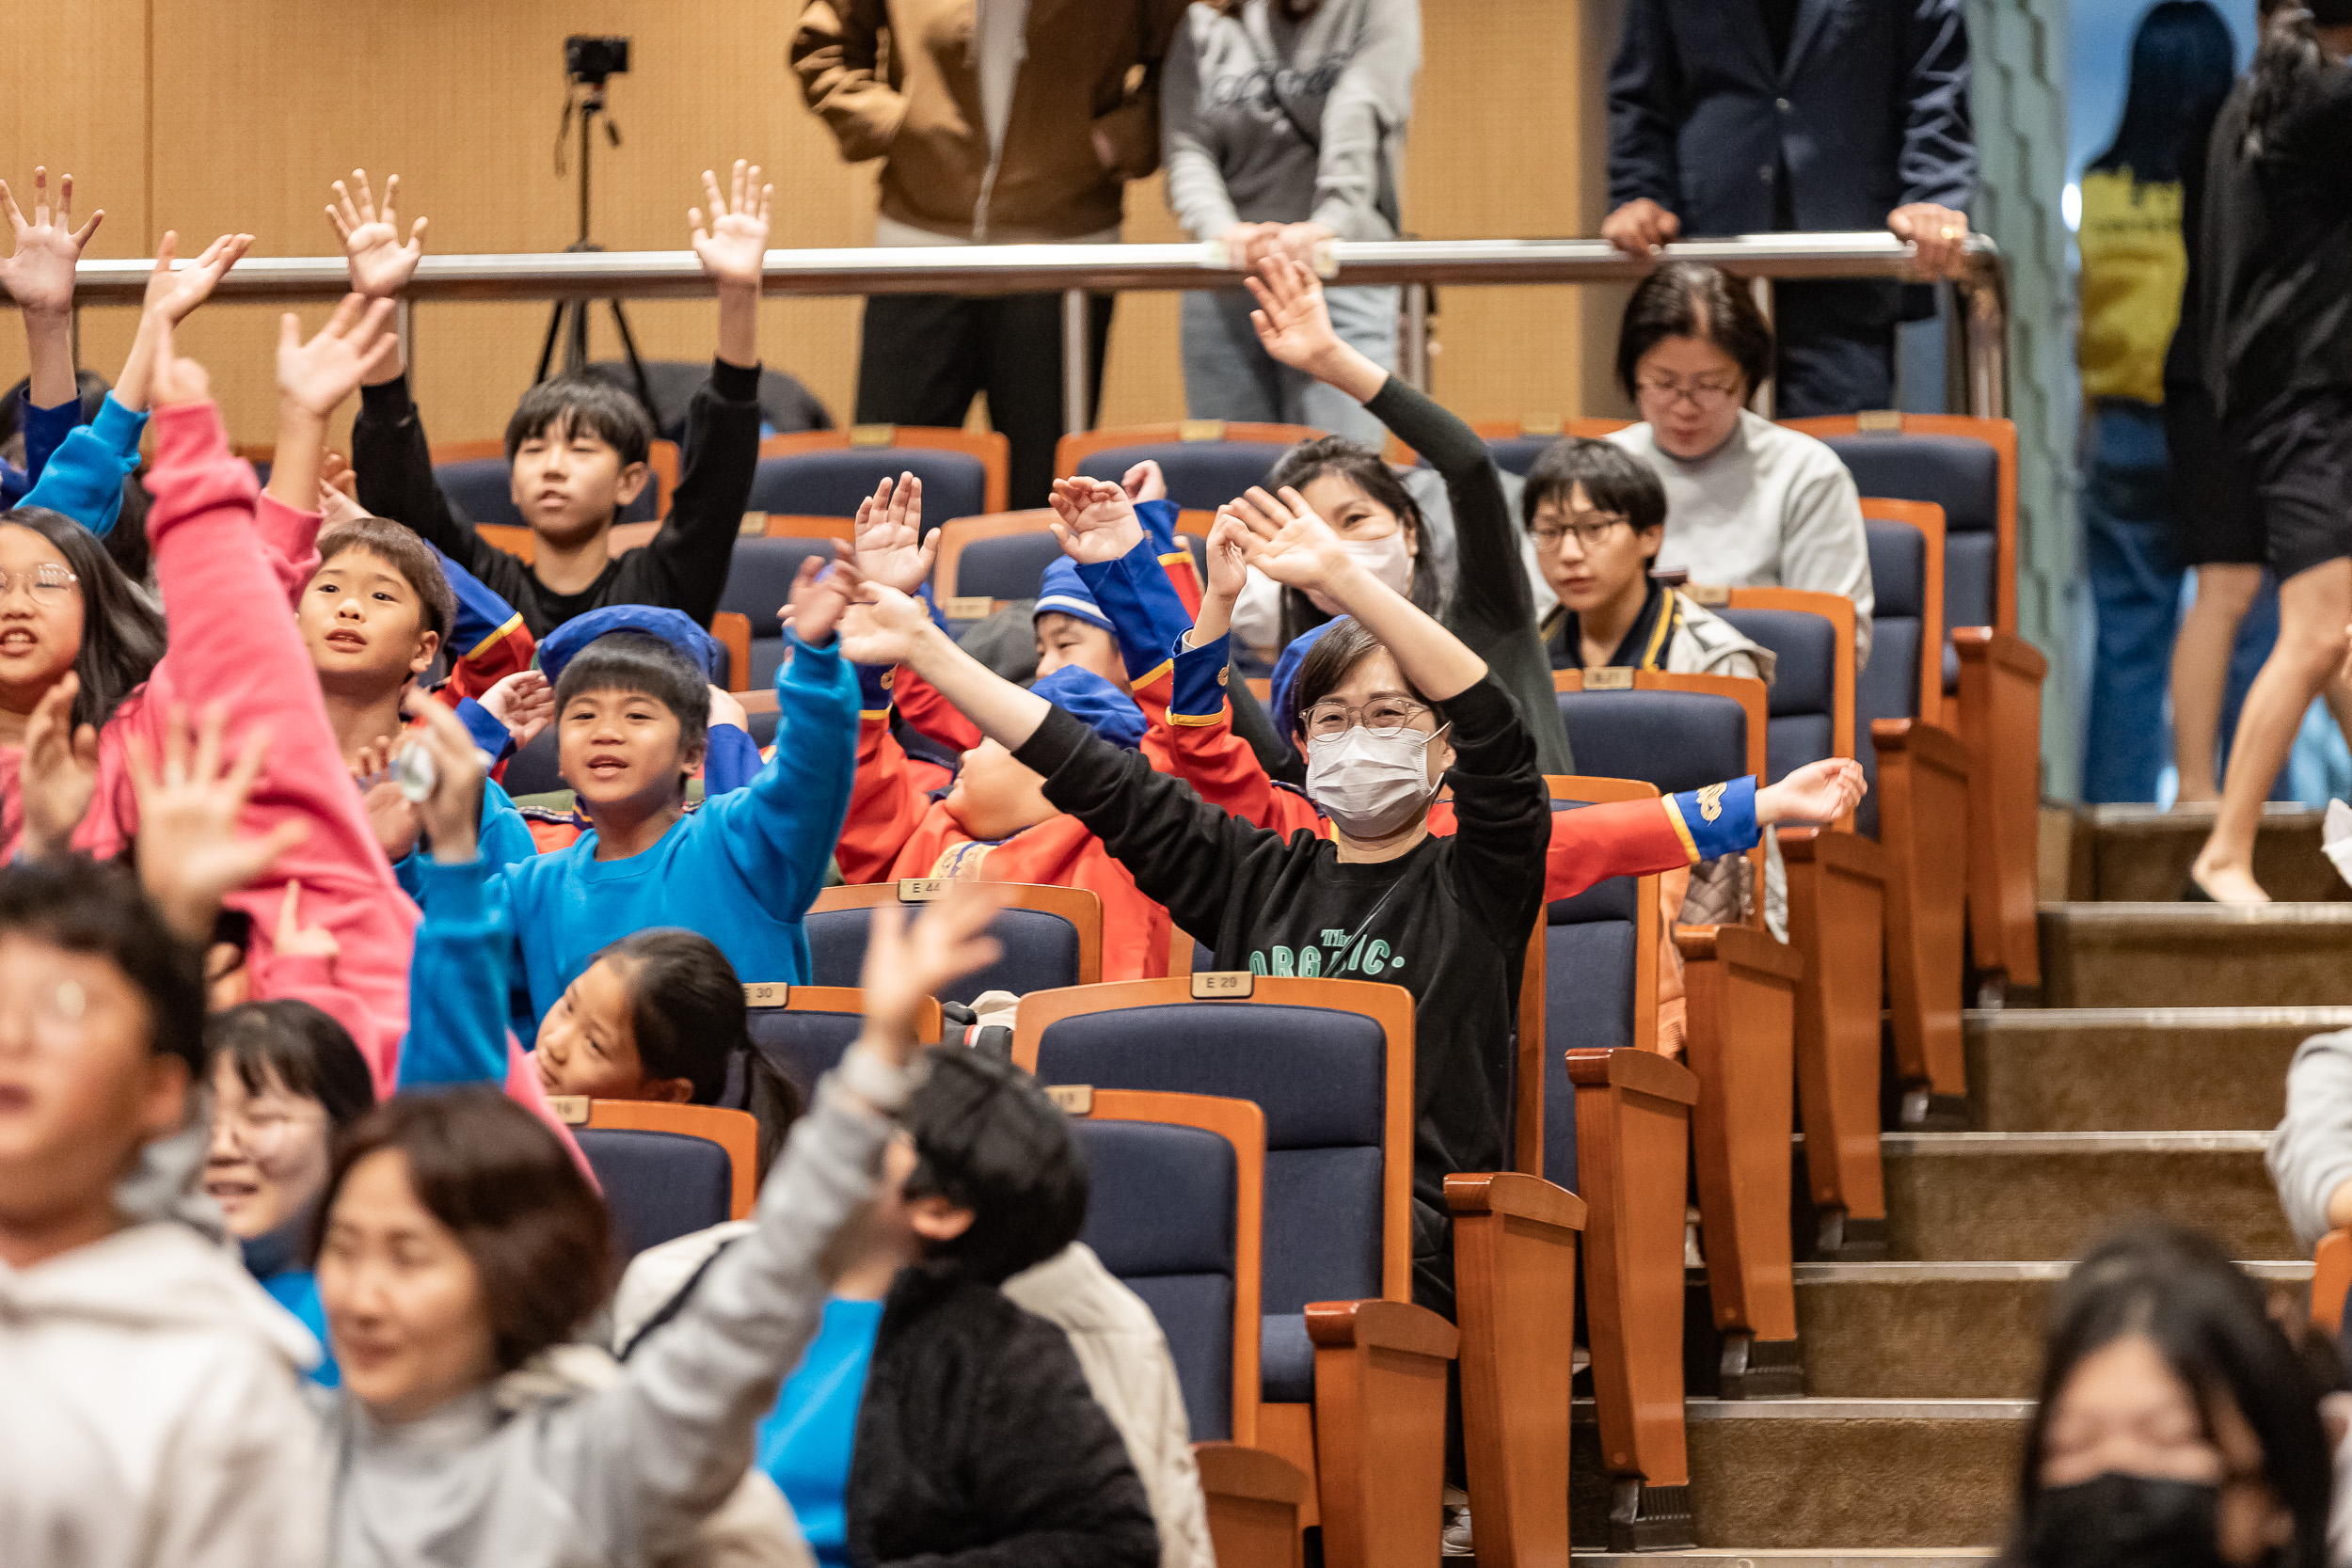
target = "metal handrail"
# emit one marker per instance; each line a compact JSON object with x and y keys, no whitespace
{"x":1075,"y":269}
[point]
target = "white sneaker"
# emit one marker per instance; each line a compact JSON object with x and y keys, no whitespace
{"x":1454,"y":1538}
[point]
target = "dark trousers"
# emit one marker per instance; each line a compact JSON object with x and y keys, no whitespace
{"x":1837,"y":345}
{"x":922,"y":356}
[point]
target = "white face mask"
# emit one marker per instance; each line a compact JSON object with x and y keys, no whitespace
{"x":1385,"y":558}
{"x":1370,"y":784}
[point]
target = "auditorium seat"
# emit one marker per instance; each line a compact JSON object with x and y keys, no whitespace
{"x":1837,"y":885}
{"x":993,"y":558}
{"x":1517,"y":443}
{"x":1052,"y":936}
{"x":825,"y":473}
{"x":666,"y":1170}
{"x":1682,"y":733}
{"x":802,"y":1030}
{"x":1175,"y":1203}
{"x":474,"y":477}
{"x":1207,"y":462}
{"x":1353,"y":1374}
{"x":1919,"y":810}
{"x":1992,"y":676}
{"x":759,"y":583}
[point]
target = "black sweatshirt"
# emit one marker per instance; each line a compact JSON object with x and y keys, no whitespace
{"x":1493,"y":607}
{"x":684,"y":567}
{"x":1449,"y":921}
{"x":2277,"y":236}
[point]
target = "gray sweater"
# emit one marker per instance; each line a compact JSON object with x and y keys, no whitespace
{"x":1233,"y":156}
{"x":1770,"y":508}
{"x":2311,"y":1153}
{"x":582,"y":1478}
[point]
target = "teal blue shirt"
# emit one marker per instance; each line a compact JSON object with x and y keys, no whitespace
{"x":741,"y":869}
{"x":805,"y":1442}
{"x":297,"y":1291}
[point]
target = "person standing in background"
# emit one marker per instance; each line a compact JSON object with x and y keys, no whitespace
{"x":998,"y":123}
{"x":2277,"y":313}
{"x":1744,"y":116}
{"x":2133,"y":266}
{"x":1282,"y":125}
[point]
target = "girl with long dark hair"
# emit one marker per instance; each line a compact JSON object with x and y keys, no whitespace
{"x":2277,"y":319}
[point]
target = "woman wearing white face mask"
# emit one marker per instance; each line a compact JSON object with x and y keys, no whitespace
{"x":1388,"y":705}
{"x":1485,"y":600}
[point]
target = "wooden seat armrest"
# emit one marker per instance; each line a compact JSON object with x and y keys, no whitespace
{"x":1517,"y":1195}
{"x":1232,"y":1470}
{"x":759,"y":700}
{"x":1932,"y":745}
{"x":1382,"y":1326}
{"x":2013,"y":653}
{"x":1741,"y":946}
{"x":2331,"y":1276}
{"x":1840,"y":851}
{"x":1640,"y":1071}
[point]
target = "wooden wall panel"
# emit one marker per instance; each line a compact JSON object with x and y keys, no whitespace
{"x":258,"y":105}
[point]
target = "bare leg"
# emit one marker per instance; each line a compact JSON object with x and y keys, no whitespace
{"x":2201,"y":673}
{"x":2313,"y":608}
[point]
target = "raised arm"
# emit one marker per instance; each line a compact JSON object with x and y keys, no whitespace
{"x":313,"y":378}
{"x":647,"y":1461}
{"x":39,"y":276}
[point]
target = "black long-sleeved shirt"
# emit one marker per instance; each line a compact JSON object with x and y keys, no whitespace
{"x":1493,"y":607}
{"x":684,"y":566}
{"x":1448,"y":921}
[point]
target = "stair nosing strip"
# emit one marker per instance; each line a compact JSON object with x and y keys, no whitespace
{"x":2281,"y":1271}
{"x":2124,"y":914}
{"x":1994,"y":1144}
{"x":1793,"y":1556}
{"x":2002,"y":1019}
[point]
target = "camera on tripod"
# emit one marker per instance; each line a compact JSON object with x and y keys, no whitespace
{"x":592,"y":59}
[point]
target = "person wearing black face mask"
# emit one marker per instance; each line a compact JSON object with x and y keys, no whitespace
{"x":2177,"y":1427}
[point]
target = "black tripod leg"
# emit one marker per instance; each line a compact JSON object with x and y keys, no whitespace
{"x":546,"y":349}
{"x":636,"y":365}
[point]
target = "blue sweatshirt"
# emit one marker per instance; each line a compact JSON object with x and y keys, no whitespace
{"x":743,"y":870}
{"x":505,"y":838}
{"x":457,"y":976}
{"x":83,"y":477}
{"x":45,"y":430}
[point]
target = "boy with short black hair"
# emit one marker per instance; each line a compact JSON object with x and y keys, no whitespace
{"x":578,"y":447}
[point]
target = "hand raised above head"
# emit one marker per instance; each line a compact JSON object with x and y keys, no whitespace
{"x":39,"y":273}
{"x":908,"y":963}
{"x":1286,"y":540}
{"x":174,"y":293}
{"x":381,"y":263}
{"x":1229,"y":558}
{"x":882,"y":625}
{"x":890,"y":546}
{"x":317,"y":376}
{"x":189,"y":852}
{"x":58,"y":776}
{"x":524,"y":702}
{"x":733,"y":248}
{"x":1094,"y":520}
{"x":1145,"y":482}
{"x":1292,"y":322}
{"x":820,"y":592}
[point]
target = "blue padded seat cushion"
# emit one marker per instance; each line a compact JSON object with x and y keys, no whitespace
{"x":803,"y":1046}
{"x":532,"y":770}
{"x":759,"y":579}
{"x":658,"y":1186}
{"x":1202,"y":475}
{"x":1286,"y":1360}
{"x":830,"y":483}
{"x":1676,"y":740}
{"x":1008,"y":566}
{"x":479,"y":490}
{"x":1041,"y":953}
{"x":1956,"y":472}
{"x":1517,"y":453}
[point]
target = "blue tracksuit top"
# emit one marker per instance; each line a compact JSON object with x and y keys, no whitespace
{"x":742,"y":870}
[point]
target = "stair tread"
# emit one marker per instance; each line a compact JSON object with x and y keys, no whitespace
{"x":2284,"y":1270}
{"x":2119,"y":913}
{"x":1996,"y":1143}
{"x":2042,"y":1019}
{"x":1697,"y":1408}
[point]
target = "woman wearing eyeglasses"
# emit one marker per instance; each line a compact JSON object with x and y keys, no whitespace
{"x":1749,"y":504}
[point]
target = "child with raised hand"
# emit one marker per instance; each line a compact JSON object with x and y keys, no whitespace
{"x":577,"y":445}
{"x":656,"y":1015}
{"x":37,"y":274}
{"x":461,"y":1195}
{"x":993,"y":821}
{"x":1388,"y":707}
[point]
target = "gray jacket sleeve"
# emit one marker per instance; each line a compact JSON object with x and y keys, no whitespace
{"x":2311,"y":1153}
{"x":1824,"y":547}
{"x":645,"y":1460}
{"x":1372,"y":102}
{"x":1195,"y":179}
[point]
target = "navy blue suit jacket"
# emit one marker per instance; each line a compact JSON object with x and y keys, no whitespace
{"x":1869,"y":113}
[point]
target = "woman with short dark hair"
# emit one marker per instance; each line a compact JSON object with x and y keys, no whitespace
{"x":1749,"y":503}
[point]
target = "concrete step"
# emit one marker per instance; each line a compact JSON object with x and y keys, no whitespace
{"x":1932,"y":1556}
{"x":2196,"y":955}
{"x":2044,"y":1196}
{"x":2125,"y":1069}
{"x":1876,"y":1476}
{"x":2139,"y":853}
{"x":1943,"y":1331}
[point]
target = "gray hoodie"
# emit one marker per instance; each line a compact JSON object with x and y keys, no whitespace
{"x":2311,"y":1153}
{"x":1267,"y":120}
{"x":152,"y":1412}
{"x":621,"y":1475}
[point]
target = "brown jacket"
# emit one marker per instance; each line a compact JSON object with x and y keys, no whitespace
{"x":896,"y":80}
